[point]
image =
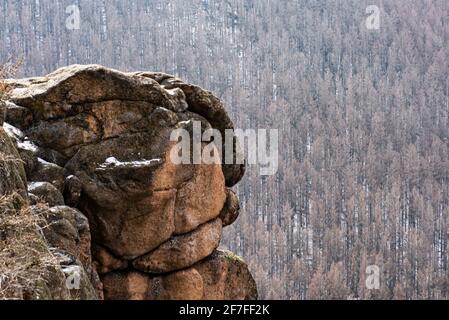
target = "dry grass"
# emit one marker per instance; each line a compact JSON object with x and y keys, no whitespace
{"x":26,"y":262}
{"x":7,"y":70}
{"x":6,"y":161}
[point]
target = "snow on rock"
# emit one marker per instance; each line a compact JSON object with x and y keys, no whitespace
{"x":113,"y":162}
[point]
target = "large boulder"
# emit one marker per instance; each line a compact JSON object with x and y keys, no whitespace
{"x":113,"y":130}
{"x":222,"y":276}
{"x":72,"y":90}
{"x":96,"y":145}
{"x":46,"y":193}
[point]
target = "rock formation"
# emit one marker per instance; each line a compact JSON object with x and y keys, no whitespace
{"x":95,"y":146}
{"x":40,"y":248}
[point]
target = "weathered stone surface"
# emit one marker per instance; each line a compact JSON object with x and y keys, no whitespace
{"x":26,"y":149}
{"x":72,"y":190}
{"x":22,"y":243}
{"x":53,"y":96}
{"x":200,"y":199}
{"x":222,"y":276}
{"x":30,"y":161}
{"x":182,"y":251}
{"x":137,"y":199}
{"x":182,"y":285}
{"x":17,"y":116}
{"x":95,"y":122}
{"x":61,"y":229}
{"x":226,"y":277}
{"x":98,"y":140}
{"x":105,"y":261}
{"x":46,"y":193}
{"x":230,"y":211}
{"x":204,"y":103}
{"x":52,"y":156}
{"x":2,"y":112}
{"x":134,"y":227}
{"x":127,"y":286}
{"x":129,"y":213}
{"x":48,"y":172}
{"x":12,"y":172}
{"x":67,"y":231}
{"x":134,"y":285}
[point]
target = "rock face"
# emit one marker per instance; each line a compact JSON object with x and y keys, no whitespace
{"x":182,"y":251}
{"x":95,"y":144}
{"x":221,"y":276}
{"x":37,"y":253}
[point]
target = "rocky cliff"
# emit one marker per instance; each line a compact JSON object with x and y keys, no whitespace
{"x":88,"y":158}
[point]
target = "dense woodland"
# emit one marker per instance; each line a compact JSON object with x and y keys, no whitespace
{"x":363,"y":118}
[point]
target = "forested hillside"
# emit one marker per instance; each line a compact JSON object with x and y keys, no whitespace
{"x":363,"y":118}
